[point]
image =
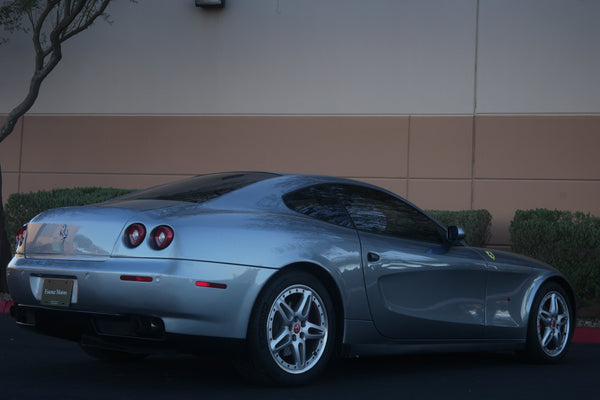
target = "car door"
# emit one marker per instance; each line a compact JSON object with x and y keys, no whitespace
{"x":418,"y":286}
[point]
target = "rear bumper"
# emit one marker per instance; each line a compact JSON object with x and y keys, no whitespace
{"x":128,"y":333}
{"x":72,"y":325}
{"x":171,"y":298}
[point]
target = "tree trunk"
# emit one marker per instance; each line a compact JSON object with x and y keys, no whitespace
{"x":5,"y":130}
{"x":74,"y":18}
{"x":5,"y":252}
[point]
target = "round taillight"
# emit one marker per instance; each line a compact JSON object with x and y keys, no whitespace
{"x":20,"y":235}
{"x":134,"y":235}
{"x":162,"y":236}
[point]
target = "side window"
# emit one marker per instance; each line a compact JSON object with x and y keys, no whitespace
{"x":318,"y":202}
{"x":378,"y":212}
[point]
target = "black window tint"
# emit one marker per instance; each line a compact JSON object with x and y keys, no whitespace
{"x":318,"y":202}
{"x":201,"y":188}
{"x":378,"y":212}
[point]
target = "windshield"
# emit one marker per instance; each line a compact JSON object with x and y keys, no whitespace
{"x":200,"y":188}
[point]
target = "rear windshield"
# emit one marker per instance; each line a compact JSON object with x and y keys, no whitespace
{"x":200,"y":188}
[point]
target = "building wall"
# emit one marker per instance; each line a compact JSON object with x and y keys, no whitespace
{"x":500,"y":163}
{"x":452,"y":104}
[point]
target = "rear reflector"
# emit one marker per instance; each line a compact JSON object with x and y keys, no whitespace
{"x":211,"y":285}
{"x":134,"y":278}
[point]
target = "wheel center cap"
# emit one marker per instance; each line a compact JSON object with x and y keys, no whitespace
{"x":297,"y":328}
{"x":553,"y":323}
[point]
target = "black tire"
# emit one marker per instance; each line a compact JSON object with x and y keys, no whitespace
{"x":551,"y":325}
{"x":292,"y":331}
{"x":111,"y":355}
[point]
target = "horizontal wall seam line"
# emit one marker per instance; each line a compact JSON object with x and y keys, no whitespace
{"x":46,"y":172}
{"x":399,"y":178}
{"x":541,"y":114}
{"x":106,"y":173}
{"x":537,"y":179}
{"x":244,"y":115}
{"x":414,"y":178}
{"x":479,"y":114}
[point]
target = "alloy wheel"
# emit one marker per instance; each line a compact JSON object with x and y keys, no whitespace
{"x":297,"y":329}
{"x":553,"y":323}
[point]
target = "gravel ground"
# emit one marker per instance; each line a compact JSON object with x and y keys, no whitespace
{"x":588,"y":322}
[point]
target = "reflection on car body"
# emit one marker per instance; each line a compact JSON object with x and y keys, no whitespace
{"x":288,"y":270}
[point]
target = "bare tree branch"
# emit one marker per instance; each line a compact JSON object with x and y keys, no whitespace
{"x":89,"y":20}
{"x":71,"y":17}
{"x":30,"y":17}
{"x":41,"y":19}
{"x":63,"y":19}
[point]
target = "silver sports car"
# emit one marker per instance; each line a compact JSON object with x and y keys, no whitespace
{"x":284,"y":271}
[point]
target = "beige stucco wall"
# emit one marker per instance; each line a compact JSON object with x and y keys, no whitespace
{"x":409,"y":57}
{"x":500,"y":163}
{"x":453,"y":104}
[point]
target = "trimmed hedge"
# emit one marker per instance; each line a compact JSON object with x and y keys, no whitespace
{"x":22,"y":207}
{"x":476,"y":223}
{"x":568,"y":241}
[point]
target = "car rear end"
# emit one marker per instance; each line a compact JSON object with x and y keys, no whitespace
{"x":110,"y":276}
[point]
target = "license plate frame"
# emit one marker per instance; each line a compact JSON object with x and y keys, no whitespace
{"x":57,"y":292}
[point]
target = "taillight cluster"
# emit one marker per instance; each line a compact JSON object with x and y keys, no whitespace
{"x":135,"y":235}
{"x":20,"y":235}
{"x":160,"y":237}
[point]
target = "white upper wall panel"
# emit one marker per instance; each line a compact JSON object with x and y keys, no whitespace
{"x":539,"y":56}
{"x":260,"y":56}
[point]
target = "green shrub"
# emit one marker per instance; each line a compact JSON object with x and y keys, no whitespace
{"x":21,"y":207}
{"x":568,"y":241}
{"x":476,"y":223}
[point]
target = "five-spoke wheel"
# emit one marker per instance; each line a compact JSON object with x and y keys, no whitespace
{"x":292,"y":330}
{"x":550,"y":324}
{"x":297,"y":329}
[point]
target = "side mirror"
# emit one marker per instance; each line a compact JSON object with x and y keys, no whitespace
{"x":455,"y":234}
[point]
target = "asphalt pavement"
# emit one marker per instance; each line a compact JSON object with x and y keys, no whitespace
{"x":38,"y":367}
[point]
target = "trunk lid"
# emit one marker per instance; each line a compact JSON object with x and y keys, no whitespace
{"x":76,"y":232}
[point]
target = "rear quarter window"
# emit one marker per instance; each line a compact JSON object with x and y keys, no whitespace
{"x":319,"y":203}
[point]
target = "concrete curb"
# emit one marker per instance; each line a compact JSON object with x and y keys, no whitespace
{"x":586,"y":335}
{"x":5,"y":306}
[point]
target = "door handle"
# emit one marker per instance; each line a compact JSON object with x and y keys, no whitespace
{"x":372,"y":257}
